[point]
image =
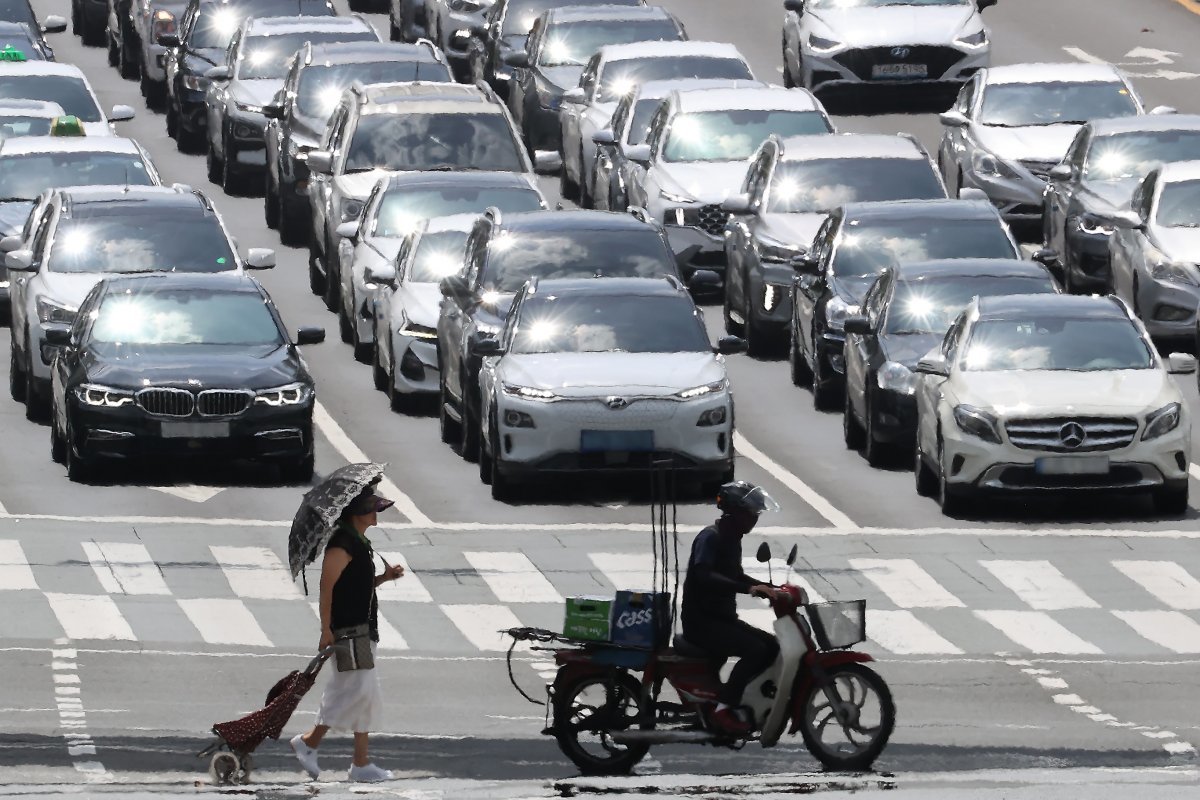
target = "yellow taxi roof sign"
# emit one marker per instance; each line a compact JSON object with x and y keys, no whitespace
{"x":67,"y":125}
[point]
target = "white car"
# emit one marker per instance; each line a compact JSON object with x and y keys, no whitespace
{"x":1045,"y":393}
{"x":27,"y":117}
{"x":604,"y":374}
{"x":63,"y":84}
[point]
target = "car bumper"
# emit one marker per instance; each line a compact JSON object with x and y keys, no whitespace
{"x":1019,"y":200}
{"x":894,"y":416}
{"x":693,"y":245}
{"x":1088,"y":261}
{"x":416,"y":365}
{"x":855,"y":67}
{"x":1168,"y":309}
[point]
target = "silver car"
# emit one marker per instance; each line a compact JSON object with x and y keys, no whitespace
{"x":1154,"y":251}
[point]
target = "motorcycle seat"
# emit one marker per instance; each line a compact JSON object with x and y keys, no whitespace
{"x":688,"y":650}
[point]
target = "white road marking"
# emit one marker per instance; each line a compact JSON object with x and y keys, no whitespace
{"x":629,"y":571}
{"x":89,"y":616}
{"x":255,"y":572}
{"x":1194,"y":471}
{"x":1166,"y":580}
{"x":15,"y":572}
{"x":389,"y":637}
{"x":905,"y":582}
{"x":1038,"y":632}
{"x":190,"y":492}
{"x":408,"y":589}
{"x":481,"y":625}
{"x":352,"y":453}
{"x":224,"y":621}
{"x":903,"y":633}
{"x":1173,"y":630}
{"x":513,"y":578}
{"x":1084,"y":56}
{"x":125,"y":568}
{"x":1040,"y":585}
{"x":806,"y":493}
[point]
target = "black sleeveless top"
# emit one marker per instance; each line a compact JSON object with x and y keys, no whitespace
{"x":354,"y":601}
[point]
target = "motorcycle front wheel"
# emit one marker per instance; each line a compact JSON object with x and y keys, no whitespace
{"x":846,"y":724}
{"x":587,"y":711}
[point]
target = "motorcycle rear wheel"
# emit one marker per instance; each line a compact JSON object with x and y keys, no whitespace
{"x":868,"y":715}
{"x":588,"y":744}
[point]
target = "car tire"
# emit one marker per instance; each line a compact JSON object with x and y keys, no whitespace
{"x":155,"y":92}
{"x":294,"y":227}
{"x":79,"y":469}
{"x":58,"y":444}
{"x":270,"y":204}
{"x":394,"y":32}
{"x":172,"y":120}
{"x":801,"y":374}
{"x":293,"y":472}
{"x":76,"y":20}
{"x":585,"y":196}
{"x":187,"y":141}
{"x":16,"y":376}
{"x":1171,"y":501}
{"x":468,"y":439}
{"x":333,"y":283}
{"x":379,"y":375}
{"x":852,"y":431}
{"x":233,"y":178}
{"x":874,"y":451}
{"x":214,"y":165}
{"x":316,"y":281}
{"x":925,"y":481}
{"x":824,"y":392}
{"x":756,"y":346}
{"x":447,"y":426}
{"x":789,"y":82}
{"x":950,"y":498}
{"x":398,"y":401}
{"x":345,"y":328}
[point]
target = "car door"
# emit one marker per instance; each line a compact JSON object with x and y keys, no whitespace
{"x":930,"y":390}
{"x":641,"y":184}
{"x":454,"y":317}
{"x":740,"y":251}
{"x":520,"y":87}
{"x":277,"y":129}
{"x":956,"y":145}
{"x":809,"y":287}
{"x":217,"y":96}
{"x":1140,"y":250}
{"x":606,"y":166}
{"x":67,"y":358}
{"x":38,"y":235}
{"x":387,"y":300}
{"x":1059,"y":192}
{"x":572,"y":118}
{"x":858,"y":347}
{"x":320,"y":185}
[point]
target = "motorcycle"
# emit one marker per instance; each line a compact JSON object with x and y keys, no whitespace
{"x":605,"y":719}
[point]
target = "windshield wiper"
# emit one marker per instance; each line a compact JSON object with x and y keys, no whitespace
{"x":17,"y":199}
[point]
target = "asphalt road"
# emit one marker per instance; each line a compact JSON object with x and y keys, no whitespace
{"x":1032,"y":646}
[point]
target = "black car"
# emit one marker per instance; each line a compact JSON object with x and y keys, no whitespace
{"x":296,"y":118}
{"x":19,"y":42}
{"x":505,"y":252}
{"x":559,"y":46}
{"x":905,"y":314}
{"x":204,"y":33}
{"x":175,"y":365}
{"x":856,"y":243}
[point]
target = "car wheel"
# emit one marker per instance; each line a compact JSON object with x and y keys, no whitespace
{"x":379,"y":375}
{"x":58,"y":445}
{"x":1171,"y":501}
{"x":79,"y":469}
{"x":76,"y":20}
{"x":504,"y":488}
{"x":292,"y":472}
{"x":950,"y":497}
{"x":394,"y":32}
{"x":468,"y":440}
{"x":216,"y":169}
{"x":852,"y":432}
{"x":16,"y":376}
{"x":824,"y":391}
{"x":873,"y":450}
{"x":585,"y":196}
{"x":345,"y":327}
{"x":114,"y":54}
{"x":154,"y":91}
{"x":333,"y":284}
{"x":801,"y":374}
{"x":128,"y":65}
{"x":270,"y":203}
{"x":732,"y":327}
{"x":449,"y":428}
{"x":487,"y":452}
{"x":755,"y":345}
{"x":233,"y":177}
{"x":1134,"y":291}
{"x":398,"y":401}
{"x":925,"y":481}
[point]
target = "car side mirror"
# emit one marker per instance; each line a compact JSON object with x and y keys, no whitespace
{"x":10,"y":243}
{"x":1181,"y":363}
{"x":1060,"y":172}
{"x":121,"y":113}
{"x":273,"y":111}
{"x":604,"y":136}
{"x":731,"y":345}
{"x":1157,"y":110}
{"x":546,"y":162}
{"x":20,"y":261}
{"x":796,"y":6}
{"x":954,"y":119}
{"x":54,"y":24}
{"x":737,"y":204}
{"x":168,"y":40}
{"x":639,"y":153}
{"x":763,"y":554}
{"x":1046,"y":256}
{"x":483,"y":347}
{"x":704,"y":281}
{"x":381,"y":275}
{"x":260,"y":258}
{"x":574,"y":96}
{"x":517,"y":58}
{"x":218,"y":73}
{"x":320,"y":162}
{"x":933,"y":364}
{"x":347,"y":230}
{"x":60,"y":335}
{"x":309,"y":335}
{"x":859,"y":325}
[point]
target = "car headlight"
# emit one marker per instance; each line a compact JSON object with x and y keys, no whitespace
{"x":895,"y":377}
{"x":777,"y":252}
{"x":529,"y":392}
{"x":410,"y":328}
{"x":196,"y":83}
{"x":1165,"y":420}
{"x":984,"y":163}
{"x":52,"y":311}
{"x":701,"y":391}
{"x":836,"y":311}
{"x":465,"y":6}
{"x":821,"y":44}
{"x":978,"y":423}
{"x":249,"y":108}
{"x":351,"y":208}
{"x":293,"y":394}
{"x":92,"y":394}
{"x":673,"y":197}
{"x":1092,"y":226}
{"x":1175,"y":272}
{"x":976,"y":39}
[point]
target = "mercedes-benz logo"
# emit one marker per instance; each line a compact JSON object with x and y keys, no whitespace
{"x":901,"y":52}
{"x":1072,"y":434}
{"x":616,"y":403}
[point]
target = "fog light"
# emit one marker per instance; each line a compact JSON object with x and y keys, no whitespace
{"x":1166,"y":313}
{"x":243,"y":131}
{"x":411,"y":367}
{"x":714,"y":416}
{"x":518,"y":419}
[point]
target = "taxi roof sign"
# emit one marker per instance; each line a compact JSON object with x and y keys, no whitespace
{"x":10,"y":53}
{"x":67,"y":125}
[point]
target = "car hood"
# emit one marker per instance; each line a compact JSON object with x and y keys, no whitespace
{"x":308,"y":128}
{"x":565,"y":77}
{"x":206,"y":55}
{"x":1035,"y":143}
{"x":591,"y":374}
{"x":1034,"y":392}
{"x":422,"y":302}
{"x":385,"y":248}
{"x":257,"y":92}
{"x":1108,"y":195}
{"x":707,"y":181}
{"x":908,"y":348}
{"x":13,"y":216}
{"x":1179,"y":244}
{"x":359,"y":184}
{"x":798,"y":229}
{"x":69,"y":287}
{"x":852,"y":290}
{"x":864,"y":27}
{"x":192,"y":366}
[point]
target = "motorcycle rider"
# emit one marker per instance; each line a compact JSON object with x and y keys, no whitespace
{"x":714,"y":579}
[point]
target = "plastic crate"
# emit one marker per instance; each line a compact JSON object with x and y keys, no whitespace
{"x":838,"y":624}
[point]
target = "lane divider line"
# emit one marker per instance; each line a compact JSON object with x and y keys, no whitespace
{"x":72,"y":719}
{"x":809,"y":495}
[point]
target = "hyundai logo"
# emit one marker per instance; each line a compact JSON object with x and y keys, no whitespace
{"x":616,"y":403}
{"x":901,"y":52}
{"x":1072,"y":434}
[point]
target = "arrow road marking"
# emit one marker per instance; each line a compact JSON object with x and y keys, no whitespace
{"x":190,"y":491}
{"x":1144,"y":57}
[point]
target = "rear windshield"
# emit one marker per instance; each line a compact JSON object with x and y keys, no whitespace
{"x":401,"y":209}
{"x":516,"y":257}
{"x":24,"y":126}
{"x":321,"y":86}
{"x":434,"y":141}
{"x":24,"y":177}
{"x":734,"y":135}
{"x":820,"y":186}
{"x":620,"y":77}
{"x":573,"y":43}
{"x":867,"y":249}
{"x":268,"y":56}
{"x":931,"y":305}
{"x":68,"y":91}
{"x":151,"y":241}
{"x":609,"y":323}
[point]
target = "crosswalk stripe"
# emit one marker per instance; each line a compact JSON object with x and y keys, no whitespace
{"x":902,"y":633}
{"x":125,"y":568}
{"x":513,"y":578}
{"x":1040,"y":585}
{"x":15,"y":572}
{"x":905,"y":583}
{"x":408,"y":589}
{"x":224,"y":621}
{"x":89,"y":616}
{"x":626,"y":570}
{"x":481,"y":624}
{"x":389,"y":637}
{"x":1037,"y":632}
{"x":255,"y":573}
{"x":1173,"y":630}
{"x":1166,"y":580}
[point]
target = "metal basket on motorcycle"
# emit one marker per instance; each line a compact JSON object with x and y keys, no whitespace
{"x":838,"y":624}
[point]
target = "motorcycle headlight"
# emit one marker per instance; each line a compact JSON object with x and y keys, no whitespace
{"x":777,"y":252}
{"x":92,"y":394}
{"x":821,"y":44}
{"x":1092,"y":225}
{"x":249,"y":108}
{"x":1175,"y":272}
{"x":836,"y":311}
{"x":410,"y":328}
{"x":293,"y":394}
{"x":674,"y":197}
{"x":351,"y":208}
{"x":529,"y":392}
{"x":978,"y":423}
{"x":52,"y":311}
{"x":196,"y":83}
{"x":701,"y":391}
{"x":895,"y":377}
{"x":976,"y":39}
{"x":983,"y":163}
{"x":1165,"y":420}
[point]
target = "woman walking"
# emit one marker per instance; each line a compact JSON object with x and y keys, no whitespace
{"x":353,"y":699}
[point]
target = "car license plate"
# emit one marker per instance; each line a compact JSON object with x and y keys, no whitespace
{"x":1072,"y":465}
{"x":195,"y":430}
{"x":616,"y":441}
{"x":900,"y":71}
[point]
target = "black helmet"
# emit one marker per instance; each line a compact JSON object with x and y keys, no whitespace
{"x":746,"y":497}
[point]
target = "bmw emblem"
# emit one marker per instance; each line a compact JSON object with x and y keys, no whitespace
{"x":901,"y":52}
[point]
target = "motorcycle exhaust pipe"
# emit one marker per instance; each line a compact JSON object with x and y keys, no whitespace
{"x":662,"y":737}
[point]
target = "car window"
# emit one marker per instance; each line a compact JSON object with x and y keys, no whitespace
{"x":404,"y":207}
{"x":27,"y":176}
{"x":140,"y":241}
{"x":1133,"y":154}
{"x":734,"y":135}
{"x":265,"y":57}
{"x":608,"y":323}
{"x":821,"y":185}
{"x":930,"y":305}
{"x":68,"y":91}
{"x":514,"y":258}
{"x":1011,"y":105}
{"x":434,"y":141}
{"x":175,"y":317}
{"x":320,"y":86}
{"x":868,"y":247}
{"x":1179,"y":205}
{"x":966,"y":97}
{"x":639,"y":122}
{"x":439,"y":254}
{"x":1054,"y":342}
{"x":21,"y":42}
{"x":573,"y":43}
{"x":620,"y":77}
{"x":950,"y":343}
{"x":17,"y":125}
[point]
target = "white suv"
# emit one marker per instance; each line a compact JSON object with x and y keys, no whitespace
{"x":1044,"y":393}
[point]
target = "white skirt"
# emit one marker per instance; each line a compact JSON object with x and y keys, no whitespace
{"x":352,"y":700}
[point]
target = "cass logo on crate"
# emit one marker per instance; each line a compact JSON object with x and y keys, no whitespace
{"x":631,"y":618}
{"x":641,"y":619}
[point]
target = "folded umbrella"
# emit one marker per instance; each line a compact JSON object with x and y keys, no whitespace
{"x":317,"y":517}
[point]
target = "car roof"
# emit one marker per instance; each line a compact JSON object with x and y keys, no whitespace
{"x":1067,"y":305}
{"x":67,"y":144}
{"x":267,"y":26}
{"x":967,"y":267}
{"x":762,"y":98}
{"x":1176,"y":171}
{"x":408,"y":180}
{"x":438,"y":97}
{"x":622,"y":52}
{"x":571,"y":220}
{"x":850,"y":145}
{"x":1147,"y":122}
{"x":155,"y":281}
{"x":591,"y":287}
{"x":1053,"y":72}
{"x":451,"y":222}
{"x":366,"y":51}
{"x":656,"y":90}
{"x":582,"y":13}
{"x":177,"y":196}
{"x":41,"y":68}
{"x":923,"y":209}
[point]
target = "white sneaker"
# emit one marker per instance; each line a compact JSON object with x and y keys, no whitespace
{"x":369,"y":774}
{"x":307,"y":756}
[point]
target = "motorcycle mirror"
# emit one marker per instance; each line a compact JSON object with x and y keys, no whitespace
{"x":764,"y":553}
{"x":791,"y":559}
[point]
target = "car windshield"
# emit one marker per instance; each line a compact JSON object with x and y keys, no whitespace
{"x":609,"y":323}
{"x":573,"y":43}
{"x":434,"y":141}
{"x":187,"y":316}
{"x":214,"y":26}
{"x":1015,"y":105}
{"x":734,"y":135}
{"x":868,"y":247}
{"x":439,"y":254}
{"x":24,"y":126}
{"x":17,"y":11}
{"x":20,"y":42}
{"x":24,"y":177}
{"x":321,"y":86}
{"x":402,"y":209}
{"x":68,"y":91}
{"x":1132,"y":155}
{"x":620,"y":77}
{"x":931,"y":305}
{"x":821,"y":185}
{"x":141,"y":240}
{"x":1179,"y":205}
{"x":514,"y":258}
{"x":828,"y":5}
{"x":266,"y":57}
{"x":1078,"y":344}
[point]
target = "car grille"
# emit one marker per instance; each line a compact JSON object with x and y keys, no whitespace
{"x":711,"y":219}
{"x":597,"y":414}
{"x":222,"y":402}
{"x":938,"y":60}
{"x":1054,"y":434}
{"x":1040,"y":169}
{"x":167,"y":402}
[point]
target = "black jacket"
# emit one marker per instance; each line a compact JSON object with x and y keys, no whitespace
{"x":714,"y":578}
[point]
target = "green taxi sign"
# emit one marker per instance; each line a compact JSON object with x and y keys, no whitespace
{"x":68,"y":125}
{"x":10,"y":53}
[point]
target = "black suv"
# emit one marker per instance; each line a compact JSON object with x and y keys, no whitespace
{"x":296,"y":118}
{"x":203,"y":36}
{"x":501,"y":255}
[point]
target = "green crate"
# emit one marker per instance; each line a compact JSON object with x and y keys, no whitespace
{"x":588,"y":618}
